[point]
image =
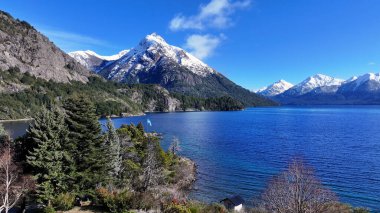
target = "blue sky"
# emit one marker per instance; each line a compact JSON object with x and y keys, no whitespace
{"x":253,"y":42}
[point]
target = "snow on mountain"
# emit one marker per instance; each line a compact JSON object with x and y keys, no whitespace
{"x":88,"y":53}
{"x":154,"y":61}
{"x":148,"y":52}
{"x":312,"y":83}
{"x":353,"y":78}
{"x":275,"y":88}
{"x":94,"y":61}
{"x":365,"y":83}
{"x":367,"y":77}
{"x":116,"y":56}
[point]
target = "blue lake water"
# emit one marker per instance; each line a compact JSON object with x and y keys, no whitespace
{"x":238,"y":152}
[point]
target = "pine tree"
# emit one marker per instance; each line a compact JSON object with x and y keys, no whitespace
{"x":3,"y":134}
{"x":47,"y":158}
{"x":140,"y":127}
{"x":113,"y":148}
{"x":86,"y":143}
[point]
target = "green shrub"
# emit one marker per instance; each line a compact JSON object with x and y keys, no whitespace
{"x":176,"y":208}
{"x":215,"y":208}
{"x":49,"y":209}
{"x":196,"y":207}
{"x":64,"y":201}
{"x":116,"y":202}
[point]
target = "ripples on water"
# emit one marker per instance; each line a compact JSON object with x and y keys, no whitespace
{"x":238,"y":152}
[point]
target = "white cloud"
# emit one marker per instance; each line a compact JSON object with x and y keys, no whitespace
{"x":371,"y":63}
{"x":215,"y":14}
{"x":69,"y":41}
{"x":203,"y":46}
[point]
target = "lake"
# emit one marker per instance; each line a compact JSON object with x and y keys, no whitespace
{"x":238,"y":152}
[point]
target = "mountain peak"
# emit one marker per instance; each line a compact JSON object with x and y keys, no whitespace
{"x":353,"y":78}
{"x":321,"y":80}
{"x":282,"y":81}
{"x":367,"y":77}
{"x":88,"y":53}
{"x":313,"y":82}
{"x":150,"y":51}
{"x":93,"y":61}
{"x":276,"y":88}
{"x":320,"y":77}
{"x":153,"y":39}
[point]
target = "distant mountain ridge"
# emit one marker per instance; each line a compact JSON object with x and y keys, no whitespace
{"x":93,"y":61}
{"x":275,"y":88}
{"x":24,"y":48}
{"x":154,"y":61}
{"x":322,"y":89}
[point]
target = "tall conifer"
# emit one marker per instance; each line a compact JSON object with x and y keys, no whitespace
{"x":47,"y":157}
{"x":86,"y":144}
{"x":113,"y":148}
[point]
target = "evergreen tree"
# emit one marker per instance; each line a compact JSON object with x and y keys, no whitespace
{"x":113,"y":148}
{"x":140,"y":127}
{"x":86,"y":144}
{"x":3,"y":134}
{"x":47,"y":158}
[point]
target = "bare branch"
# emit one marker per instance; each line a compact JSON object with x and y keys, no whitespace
{"x":297,"y":190}
{"x":12,"y":185}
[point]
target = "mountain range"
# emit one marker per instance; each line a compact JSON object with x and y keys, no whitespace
{"x":154,"y":61}
{"x":35,"y":72}
{"x":323,"y":89}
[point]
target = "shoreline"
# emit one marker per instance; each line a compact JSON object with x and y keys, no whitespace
{"x":126,"y":115}
{"x":16,"y":120}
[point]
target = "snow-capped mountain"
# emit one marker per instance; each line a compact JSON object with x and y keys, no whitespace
{"x":369,"y":78}
{"x":313,"y":82}
{"x":275,"y":88}
{"x":151,"y":50}
{"x":154,"y":61}
{"x":93,"y":61}
{"x":367,"y":83}
{"x":322,"y":89}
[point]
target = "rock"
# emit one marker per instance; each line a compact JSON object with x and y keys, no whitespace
{"x":24,"y":47}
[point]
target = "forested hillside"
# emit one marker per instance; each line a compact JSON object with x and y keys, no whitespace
{"x":22,"y":95}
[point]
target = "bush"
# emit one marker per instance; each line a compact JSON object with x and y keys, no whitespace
{"x":175,"y":208}
{"x":49,"y":209}
{"x":144,"y":200}
{"x":64,"y":201}
{"x":215,"y":208}
{"x":196,"y":207}
{"x":116,"y":202}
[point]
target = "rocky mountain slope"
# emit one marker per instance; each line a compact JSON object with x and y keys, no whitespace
{"x":322,"y":89}
{"x":23,"y":47}
{"x":154,"y":61}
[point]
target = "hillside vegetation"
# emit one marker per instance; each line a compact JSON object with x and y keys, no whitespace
{"x":22,"y":95}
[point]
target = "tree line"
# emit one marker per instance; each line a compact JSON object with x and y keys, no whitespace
{"x":28,"y":94}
